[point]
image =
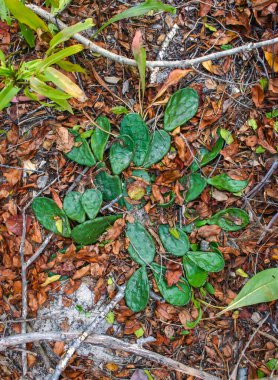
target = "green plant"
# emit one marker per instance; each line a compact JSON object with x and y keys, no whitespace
{"x":138,"y":149}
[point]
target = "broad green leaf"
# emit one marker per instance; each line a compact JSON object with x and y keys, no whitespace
{"x":73,"y":207}
{"x":4,"y":13}
{"x":174,"y":245}
{"x":27,"y":34}
{"x":71,"y":67}
{"x":141,"y":247}
{"x":197,"y":184}
{"x":25,"y":15}
{"x":91,"y":201}
{"x":56,"y":57}
{"x":89,"y":232}
{"x":61,"y":104}
{"x":139,"y":53}
{"x":48,"y":213}
{"x":260,"y":149}
{"x":195,"y":275}
{"x":121,"y":153}
{"x":6,"y":95}
{"x":43,"y":89}
{"x":209,"y":261}
{"x":177,"y":295}
{"x":109,"y":185}
{"x":158,"y":147}
{"x":224,"y":182}
{"x":100,"y":137}
{"x":231,"y":219}
{"x":62,"y":4}
{"x":139,"y":10}
{"x":209,"y":156}
{"x":119,"y":110}
{"x":81,"y":153}
{"x":181,"y":107}
{"x":137,"y":290}
{"x":134,"y":126}
{"x":209,"y":288}
{"x":67,"y":33}
{"x":196,"y":164}
{"x":263,"y":287}
{"x":64,"y":83}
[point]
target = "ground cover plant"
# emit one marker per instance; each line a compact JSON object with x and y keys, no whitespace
{"x":155,"y":193}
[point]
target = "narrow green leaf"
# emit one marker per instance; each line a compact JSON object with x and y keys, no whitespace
{"x":110,"y":186}
{"x":43,"y":89}
{"x":177,"y":295}
{"x":67,"y":33}
{"x":139,"y":53}
{"x":263,"y":287}
{"x":61,"y":5}
{"x":137,"y":290}
{"x":25,"y":15}
{"x":81,"y":153}
{"x":121,"y":153}
{"x":27,"y":34}
{"x":181,"y":107}
{"x":100,"y":137}
{"x":231,"y":219}
{"x":224,"y":182}
{"x":48,"y":214}
{"x":139,"y":10}
{"x":119,"y":110}
{"x":208,"y":261}
{"x":6,"y":95}
{"x":71,"y":67}
{"x":141,"y":247}
{"x":73,"y":207}
{"x":134,"y":126}
{"x":56,"y":57}
{"x":89,"y":232}
{"x":197,"y":184}
{"x":91,"y":201}
{"x":195,"y":275}
{"x":158,"y":147}
{"x":176,"y":246}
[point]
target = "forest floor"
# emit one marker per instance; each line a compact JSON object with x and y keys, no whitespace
{"x":237,"y":93}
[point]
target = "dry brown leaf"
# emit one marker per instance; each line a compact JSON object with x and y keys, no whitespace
{"x":210,"y":233}
{"x":13,"y":176}
{"x":174,"y":77}
{"x":173,"y":273}
{"x":64,"y":140}
{"x":14,"y":224}
{"x":214,"y":69}
{"x":115,"y":231}
{"x":222,"y":37}
{"x":205,"y":7}
{"x":257,"y":95}
{"x":81,"y":272}
{"x":272,"y":60}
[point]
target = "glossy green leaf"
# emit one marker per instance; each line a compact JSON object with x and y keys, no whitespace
{"x":110,"y":186}
{"x":195,"y":275}
{"x":89,"y":232}
{"x":170,"y":202}
{"x":231,"y":219}
{"x":263,"y":287}
{"x":159,"y":146}
{"x":210,"y":155}
{"x":176,"y":245}
{"x":91,"y":201}
{"x":121,"y":153}
{"x":139,"y":10}
{"x":100,"y":137}
{"x":137,"y":290}
{"x":177,"y":295}
{"x":6,"y":95}
{"x":48,"y":214}
{"x":141,"y":247}
{"x":181,"y":107}
{"x":224,"y":182}
{"x":73,"y":207}
{"x":25,"y":15}
{"x":61,"y":54}
{"x":66,"y":33}
{"x":81,"y":153}
{"x":209,"y":261}
{"x":134,"y":126}
{"x":71,"y":67}
{"x":197,"y":184}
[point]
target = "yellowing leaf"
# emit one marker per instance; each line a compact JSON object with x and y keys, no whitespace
{"x":110,"y":318}
{"x":211,"y":28}
{"x":241,"y":273}
{"x":272,"y":60}
{"x":174,"y":232}
{"x":214,"y":69}
{"x":51,"y":279}
{"x":59,"y":225}
{"x":65,"y":84}
{"x":226,"y":135}
{"x":139,"y":332}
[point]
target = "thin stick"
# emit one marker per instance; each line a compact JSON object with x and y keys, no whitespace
{"x":75,"y":344}
{"x":109,"y":342}
{"x":151,"y":64}
{"x":23,"y":169}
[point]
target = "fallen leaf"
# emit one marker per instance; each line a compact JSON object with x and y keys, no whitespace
{"x":210,"y":233}
{"x":257,"y":95}
{"x":205,"y":7}
{"x":13,"y":176}
{"x":214,"y":69}
{"x":173,"y":273}
{"x":81,"y":272}
{"x":174,"y":77}
{"x":51,"y":279}
{"x":64,"y":140}
{"x":272,"y":60}
{"x":15,"y":224}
